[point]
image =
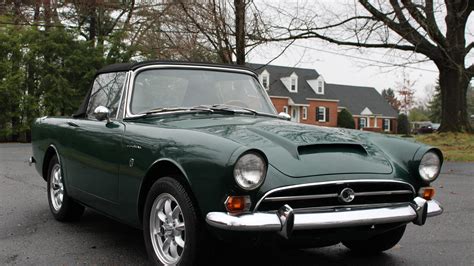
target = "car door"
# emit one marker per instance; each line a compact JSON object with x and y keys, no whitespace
{"x":96,"y":146}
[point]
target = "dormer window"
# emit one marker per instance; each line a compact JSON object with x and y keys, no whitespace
{"x":293,"y":84}
{"x":317,"y":85}
{"x":320,"y":87}
{"x":265,"y":79}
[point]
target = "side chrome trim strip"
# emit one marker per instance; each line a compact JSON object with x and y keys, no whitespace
{"x":338,"y":182}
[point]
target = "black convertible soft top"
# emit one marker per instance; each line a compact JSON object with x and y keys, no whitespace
{"x":123,"y":67}
{"x":132,"y":66}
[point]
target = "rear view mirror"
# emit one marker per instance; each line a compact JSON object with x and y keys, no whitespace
{"x":102,"y":113}
{"x":284,"y":115}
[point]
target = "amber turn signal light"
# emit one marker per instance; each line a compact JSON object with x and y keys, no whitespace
{"x":427,"y":192}
{"x":235,"y":204}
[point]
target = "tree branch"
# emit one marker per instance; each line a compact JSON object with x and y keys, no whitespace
{"x":312,"y":34}
{"x":404,"y":29}
{"x":329,"y":26}
{"x":470,"y":71}
{"x":430,"y":19}
{"x":198,"y":25}
{"x":469,"y":47}
{"x":429,"y":27}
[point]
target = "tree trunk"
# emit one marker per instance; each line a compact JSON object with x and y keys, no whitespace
{"x":36,"y":14}
{"x":92,"y":21}
{"x":17,"y":12}
{"x":239,"y":6}
{"x":453,"y":75}
{"x":453,"y":83}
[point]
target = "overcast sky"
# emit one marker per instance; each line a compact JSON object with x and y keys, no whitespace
{"x":364,"y":67}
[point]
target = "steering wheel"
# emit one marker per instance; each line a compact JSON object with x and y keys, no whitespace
{"x":237,"y":103}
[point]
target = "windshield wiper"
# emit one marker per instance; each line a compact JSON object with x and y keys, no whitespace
{"x":205,"y":108}
{"x":174,"y":109}
{"x":235,"y":109}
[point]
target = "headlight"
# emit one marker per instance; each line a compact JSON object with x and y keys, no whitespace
{"x":430,"y":165}
{"x":250,"y":171}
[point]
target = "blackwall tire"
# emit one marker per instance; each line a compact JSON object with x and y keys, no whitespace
{"x":63,"y":208}
{"x":170,"y":224}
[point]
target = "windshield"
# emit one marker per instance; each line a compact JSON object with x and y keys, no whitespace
{"x":170,"y":88}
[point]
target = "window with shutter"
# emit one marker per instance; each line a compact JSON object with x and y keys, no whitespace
{"x":386,"y":124}
{"x":321,"y":114}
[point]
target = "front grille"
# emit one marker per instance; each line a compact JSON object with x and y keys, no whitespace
{"x":327,"y":195}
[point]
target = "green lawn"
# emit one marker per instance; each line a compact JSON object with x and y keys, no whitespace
{"x":458,"y":147}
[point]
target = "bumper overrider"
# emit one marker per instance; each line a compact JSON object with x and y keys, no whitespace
{"x":285,"y":220}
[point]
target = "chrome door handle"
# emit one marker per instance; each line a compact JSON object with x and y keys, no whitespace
{"x":72,"y":124}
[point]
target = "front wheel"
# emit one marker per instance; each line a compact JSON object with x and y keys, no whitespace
{"x":61,"y":205}
{"x":170,"y":224}
{"x":378,"y":243}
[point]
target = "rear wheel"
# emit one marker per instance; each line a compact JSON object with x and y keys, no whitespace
{"x":170,"y":224}
{"x":61,"y":205}
{"x":378,"y":243}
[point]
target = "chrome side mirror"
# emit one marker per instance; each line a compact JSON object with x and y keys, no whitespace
{"x":284,"y":115}
{"x":102,"y":113}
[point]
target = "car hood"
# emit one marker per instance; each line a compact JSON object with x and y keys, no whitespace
{"x":295,"y":149}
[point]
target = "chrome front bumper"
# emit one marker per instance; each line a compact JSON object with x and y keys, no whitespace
{"x":286,"y":220}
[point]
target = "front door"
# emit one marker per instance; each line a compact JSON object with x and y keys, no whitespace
{"x":96,"y":146}
{"x":295,"y":113}
{"x":94,"y":160}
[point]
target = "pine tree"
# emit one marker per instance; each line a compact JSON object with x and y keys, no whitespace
{"x":345,"y":119}
{"x":434,"y":106}
{"x":389,"y":96}
{"x":403,"y":125}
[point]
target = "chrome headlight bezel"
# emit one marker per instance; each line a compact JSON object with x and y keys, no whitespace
{"x":430,"y":166}
{"x":250,"y":171}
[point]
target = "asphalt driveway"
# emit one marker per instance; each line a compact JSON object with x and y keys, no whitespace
{"x":30,"y":235}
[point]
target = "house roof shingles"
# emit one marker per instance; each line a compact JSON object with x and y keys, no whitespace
{"x":357,"y":98}
{"x":354,"y":98}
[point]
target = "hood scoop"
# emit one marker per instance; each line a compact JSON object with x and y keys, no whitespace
{"x":354,"y":148}
{"x":336,"y":158}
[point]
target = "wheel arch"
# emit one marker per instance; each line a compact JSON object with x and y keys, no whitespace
{"x":48,"y":155}
{"x":159,"y":169}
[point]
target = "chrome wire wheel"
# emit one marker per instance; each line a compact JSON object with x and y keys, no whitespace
{"x":167,"y":229}
{"x":56,"y":191}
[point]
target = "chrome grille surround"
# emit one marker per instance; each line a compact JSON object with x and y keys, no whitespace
{"x":402,"y":192}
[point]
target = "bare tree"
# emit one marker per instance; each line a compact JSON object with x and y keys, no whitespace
{"x":406,"y":93}
{"x":224,"y":26}
{"x":403,"y":25}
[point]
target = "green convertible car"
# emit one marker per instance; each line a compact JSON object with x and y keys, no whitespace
{"x":191,"y":152}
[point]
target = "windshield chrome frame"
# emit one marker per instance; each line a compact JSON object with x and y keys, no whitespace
{"x":134,"y":73}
